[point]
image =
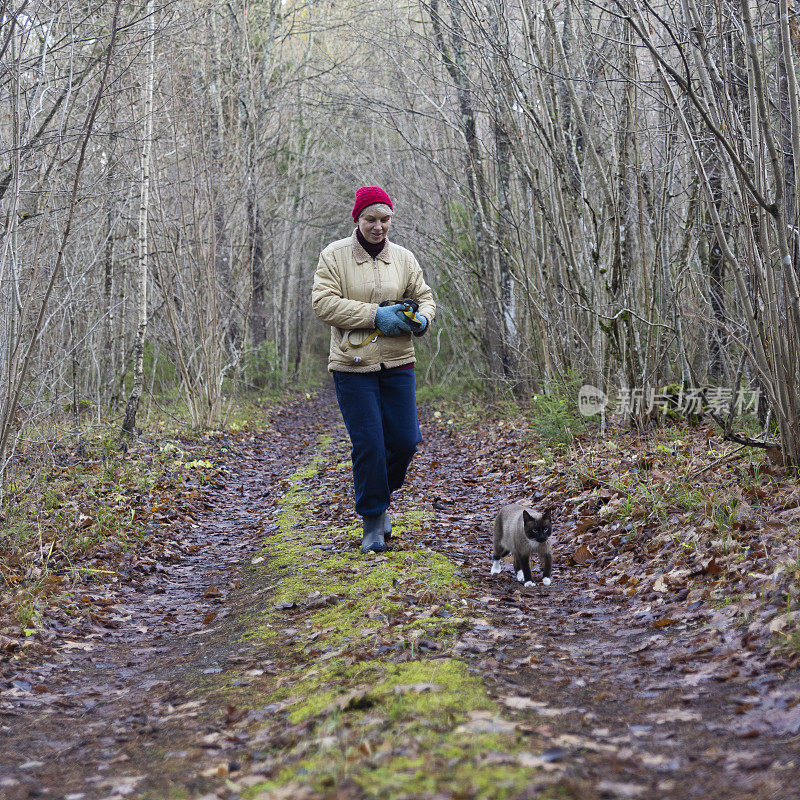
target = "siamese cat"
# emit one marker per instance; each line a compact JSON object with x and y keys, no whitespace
{"x":521,"y":531}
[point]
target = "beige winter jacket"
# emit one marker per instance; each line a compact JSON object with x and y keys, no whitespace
{"x":349,"y":285}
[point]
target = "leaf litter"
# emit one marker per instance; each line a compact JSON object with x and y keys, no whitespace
{"x":666,"y":636}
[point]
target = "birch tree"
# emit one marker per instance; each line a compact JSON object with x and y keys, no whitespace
{"x":132,"y":406}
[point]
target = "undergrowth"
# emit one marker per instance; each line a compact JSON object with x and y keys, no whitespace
{"x":548,"y":419}
{"x":75,"y":503}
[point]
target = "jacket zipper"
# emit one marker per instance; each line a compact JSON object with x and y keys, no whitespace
{"x":379,"y":291}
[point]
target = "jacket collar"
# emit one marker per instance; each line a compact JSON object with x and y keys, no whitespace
{"x":361,"y":255}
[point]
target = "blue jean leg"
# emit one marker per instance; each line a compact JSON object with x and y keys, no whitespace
{"x":380,"y":412}
{"x":401,"y":431}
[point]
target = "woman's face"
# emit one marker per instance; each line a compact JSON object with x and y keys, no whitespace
{"x":374,"y":225}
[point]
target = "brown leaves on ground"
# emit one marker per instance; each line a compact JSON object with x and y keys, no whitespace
{"x":673,"y":556}
{"x":91,"y":527}
{"x":676,"y":518}
{"x":662,"y":643}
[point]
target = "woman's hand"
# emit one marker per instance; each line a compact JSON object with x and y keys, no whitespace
{"x":391,"y":321}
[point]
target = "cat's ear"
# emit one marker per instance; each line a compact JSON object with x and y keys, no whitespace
{"x":526,"y":517}
{"x":546,"y":517}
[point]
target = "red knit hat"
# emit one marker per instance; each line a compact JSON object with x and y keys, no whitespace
{"x":367,"y":196}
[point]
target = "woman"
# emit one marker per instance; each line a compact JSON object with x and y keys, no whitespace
{"x":372,"y":354}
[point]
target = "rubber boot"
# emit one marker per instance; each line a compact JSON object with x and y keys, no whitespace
{"x":387,"y":526}
{"x":373,"y":535}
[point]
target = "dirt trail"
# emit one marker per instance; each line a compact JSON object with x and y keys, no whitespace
{"x":118,"y":712}
{"x":614,"y":704}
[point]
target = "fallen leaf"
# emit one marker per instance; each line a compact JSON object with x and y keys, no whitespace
{"x":366,"y":748}
{"x":780,"y":623}
{"x":355,"y":699}
{"x":660,"y":623}
{"x":575,"y":742}
{"x":674,"y":715}
{"x":775,"y":454}
{"x":417,"y":687}
{"x":711,"y":567}
{"x":660,"y":585}
{"x":291,"y":791}
{"x":486,"y":722}
{"x":618,"y":789}
{"x":532,"y":761}
{"x":218,"y":771}
{"x":644,"y":645}
{"x":581,"y":555}
{"x":522,"y":703}
{"x":748,"y":760}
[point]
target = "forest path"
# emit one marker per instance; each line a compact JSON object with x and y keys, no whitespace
{"x":306,"y":670}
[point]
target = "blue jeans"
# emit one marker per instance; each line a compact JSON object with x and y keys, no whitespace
{"x":380,"y":412}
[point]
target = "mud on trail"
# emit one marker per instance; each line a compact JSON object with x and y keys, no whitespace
{"x":264,"y":657}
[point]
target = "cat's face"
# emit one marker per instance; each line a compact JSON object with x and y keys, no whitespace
{"x":537,"y":526}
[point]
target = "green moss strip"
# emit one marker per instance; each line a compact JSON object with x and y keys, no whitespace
{"x":381,"y":704}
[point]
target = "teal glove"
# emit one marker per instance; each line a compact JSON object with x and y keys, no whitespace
{"x":390,"y":321}
{"x":417,"y":323}
{"x":418,"y":330}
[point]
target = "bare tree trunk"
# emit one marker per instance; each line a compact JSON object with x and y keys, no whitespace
{"x":132,"y":406}
{"x":505,"y":227}
{"x":255,"y":238}
{"x":108,"y":367}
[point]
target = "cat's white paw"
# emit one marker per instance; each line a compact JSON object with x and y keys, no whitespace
{"x":520,"y":576}
{"x":497,"y":566}
{"x":546,"y":581}
{"x":529,"y":583}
